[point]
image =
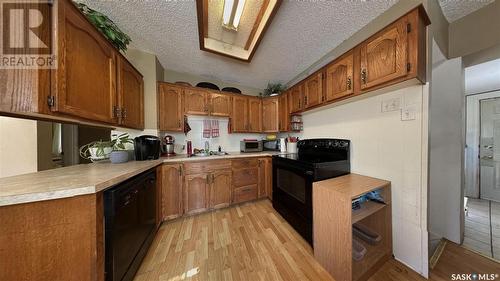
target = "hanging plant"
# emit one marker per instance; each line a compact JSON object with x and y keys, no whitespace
{"x":107,"y":27}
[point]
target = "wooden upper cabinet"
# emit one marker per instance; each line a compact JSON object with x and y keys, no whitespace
{"x":195,"y":101}
{"x":196,"y":192}
{"x":130,"y":95}
{"x":170,"y":116}
{"x":220,"y":104}
{"x":313,"y":90}
{"x":295,"y":98}
{"x":239,"y":121}
{"x":384,"y":57}
{"x":270,"y":115}
{"x":171,"y":191}
{"x":284,"y":114}
{"x":254,"y":115}
{"x":220,"y":189}
{"x":86,"y":74}
{"x":339,"y":77}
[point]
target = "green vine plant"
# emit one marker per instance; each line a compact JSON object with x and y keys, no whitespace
{"x":107,"y":27}
{"x":273,"y":89}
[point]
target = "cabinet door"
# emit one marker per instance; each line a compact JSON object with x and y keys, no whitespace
{"x":265,"y":178}
{"x":339,"y":78}
{"x":86,"y":73}
{"x":384,"y":57}
{"x":131,"y":95}
{"x":270,"y":115}
{"x":295,"y":98}
{"x":220,"y":189}
{"x":239,"y":121}
{"x":171,"y":191}
{"x":255,"y":115}
{"x":170,"y":116}
{"x":196,"y":193}
{"x":313,"y":90}
{"x":220,"y":105}
{"x":284,"y":114}
{"x":196,"y":101}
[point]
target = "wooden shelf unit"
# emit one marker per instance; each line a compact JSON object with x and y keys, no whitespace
{"x":333,"y":219}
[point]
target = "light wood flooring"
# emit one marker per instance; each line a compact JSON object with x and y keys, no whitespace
{"x":253,"y":242}
{"x":482,"y":227}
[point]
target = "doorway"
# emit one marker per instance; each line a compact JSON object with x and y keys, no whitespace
{"x":482,"y":167}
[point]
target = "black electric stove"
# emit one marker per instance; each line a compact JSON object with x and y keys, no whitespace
{"x":294,"y":174}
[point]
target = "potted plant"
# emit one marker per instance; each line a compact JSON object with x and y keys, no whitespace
{"x":96,"y":150}
{"x":273,"y":89}
{"x":119,"y":153}
{"x":107,"y":27}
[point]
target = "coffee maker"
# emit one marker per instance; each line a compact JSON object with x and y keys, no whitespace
{"x":168,"y":145}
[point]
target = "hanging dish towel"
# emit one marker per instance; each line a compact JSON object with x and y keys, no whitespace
{"x":215,"y":128}
{"x":187,"y":128}
{"x":207,"y":129}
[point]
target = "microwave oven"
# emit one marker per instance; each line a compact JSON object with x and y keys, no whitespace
{"x":272,"y":145}
{"x":250,"y":146}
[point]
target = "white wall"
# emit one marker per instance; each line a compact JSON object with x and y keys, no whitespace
{"x":228,"y":142}
{"x":484,"y":77}
{"x":384,"y":146}
{"x":446,"y":147}
{"x":18,"y":146}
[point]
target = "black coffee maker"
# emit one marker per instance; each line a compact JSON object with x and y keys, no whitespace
{"x":147,"y":147}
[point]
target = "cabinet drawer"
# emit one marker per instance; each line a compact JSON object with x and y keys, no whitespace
{"x":244,"y":177}
{"x":206,"y":166}
{"x":246,"y":193}
{"x":245,"y":163}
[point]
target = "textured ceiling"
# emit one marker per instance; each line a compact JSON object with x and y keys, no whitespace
{"x":456,"y":9}
{"x":300,"y":34}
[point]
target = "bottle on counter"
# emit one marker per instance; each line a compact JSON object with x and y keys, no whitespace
{"x":189,"y":146}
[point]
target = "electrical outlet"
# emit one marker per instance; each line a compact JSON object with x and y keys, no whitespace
{"x":408,"y":113}
{"x":391,"y":105}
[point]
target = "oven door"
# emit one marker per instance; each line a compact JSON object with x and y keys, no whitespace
{"x":292,"y":195}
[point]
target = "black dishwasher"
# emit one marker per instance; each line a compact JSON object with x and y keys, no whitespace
{"x":130,"y":224}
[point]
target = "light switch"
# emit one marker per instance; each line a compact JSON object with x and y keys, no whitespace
{"x":391,"y":105}
{"x":408,"y":113}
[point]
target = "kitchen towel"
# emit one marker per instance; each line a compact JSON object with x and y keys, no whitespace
{"x":207,"y":129}
{"x":215,"y":128}
{"x":187,"y":128}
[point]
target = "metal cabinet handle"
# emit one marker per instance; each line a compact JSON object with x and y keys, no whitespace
{"x":124,"y":113}
{"x":349,"y":83}
{"x":213,"y":178}
{"x":179,"y":123}
{"x":363,"y":76}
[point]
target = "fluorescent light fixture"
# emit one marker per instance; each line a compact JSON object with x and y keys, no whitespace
{"x":233,"y":9}
{"x":228,"y":10}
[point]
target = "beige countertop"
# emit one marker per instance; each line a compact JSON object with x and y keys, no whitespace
{"x":87,"y":178}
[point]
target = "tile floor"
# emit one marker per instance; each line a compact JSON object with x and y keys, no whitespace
{"x":482,"y":227}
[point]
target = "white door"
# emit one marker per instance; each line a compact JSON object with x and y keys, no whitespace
{"x":489,"y":150}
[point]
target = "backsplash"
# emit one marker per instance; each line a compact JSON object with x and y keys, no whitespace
{"x":228,"y":142}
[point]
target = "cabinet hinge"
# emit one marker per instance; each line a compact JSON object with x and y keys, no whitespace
{"x":51,"y":101}
{"x":408,"y":67}
{"x":408,"y":27}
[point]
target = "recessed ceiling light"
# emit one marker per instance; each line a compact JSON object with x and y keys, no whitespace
{"x":233,"y":9}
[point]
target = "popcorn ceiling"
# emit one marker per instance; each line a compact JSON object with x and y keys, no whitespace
{"x":301,"y":33}
{"x":456,"y":9}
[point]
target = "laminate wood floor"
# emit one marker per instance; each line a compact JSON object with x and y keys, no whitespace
{"x":482,"y":227}
{"x":253,"y":242}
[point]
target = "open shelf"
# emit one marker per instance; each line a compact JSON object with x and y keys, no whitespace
{"x":375,"y":254}
{"x":367,"y":208}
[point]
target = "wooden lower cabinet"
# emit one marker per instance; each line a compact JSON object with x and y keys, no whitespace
{"x":60,"y":239}
{"x":196,"y":187}
{"x":196,"y":193}
{"x":171,"y":191}
{"x":265,"y":178}
{"x":220,"y":189}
